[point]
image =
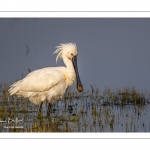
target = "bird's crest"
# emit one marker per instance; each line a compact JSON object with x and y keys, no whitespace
{"x":62,"y":47}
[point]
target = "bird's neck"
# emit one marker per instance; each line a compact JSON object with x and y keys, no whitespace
{"x":71,"y":76}
{"x":69,"y":65}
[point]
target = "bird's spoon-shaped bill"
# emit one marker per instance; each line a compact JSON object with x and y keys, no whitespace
{"x":79,"y":84}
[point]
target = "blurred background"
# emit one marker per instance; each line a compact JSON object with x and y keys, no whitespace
{"x":112,"y":52}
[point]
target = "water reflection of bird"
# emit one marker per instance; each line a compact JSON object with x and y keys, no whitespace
{"x":50,"y":83}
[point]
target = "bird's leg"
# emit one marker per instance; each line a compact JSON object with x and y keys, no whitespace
{"x":49,"y":109}
{"x":40,"y":109}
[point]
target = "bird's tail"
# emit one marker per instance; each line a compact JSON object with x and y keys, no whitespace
{"x":14,"y":88}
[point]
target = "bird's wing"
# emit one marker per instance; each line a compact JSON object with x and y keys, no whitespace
{"x":41,"y":80}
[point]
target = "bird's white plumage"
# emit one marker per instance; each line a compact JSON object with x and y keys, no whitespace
{"x":48,"y":83}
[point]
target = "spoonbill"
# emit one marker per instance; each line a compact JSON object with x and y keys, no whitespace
{"x":50,"y":83}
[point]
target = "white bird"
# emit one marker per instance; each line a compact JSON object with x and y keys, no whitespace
{"x":50,"y":83}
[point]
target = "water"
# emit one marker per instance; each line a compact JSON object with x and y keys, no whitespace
{"x":85,"y":116}
{"x":93,"y":111}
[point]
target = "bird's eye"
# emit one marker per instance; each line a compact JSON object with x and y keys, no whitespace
{"x":71,"y":54}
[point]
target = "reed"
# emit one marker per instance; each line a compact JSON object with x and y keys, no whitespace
{"x":119,"y":110}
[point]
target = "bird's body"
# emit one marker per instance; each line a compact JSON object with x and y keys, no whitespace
{"x":44,"y":84}
{"x":50,"y":83}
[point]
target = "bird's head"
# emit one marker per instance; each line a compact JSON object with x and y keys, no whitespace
{"x":69,"y":52}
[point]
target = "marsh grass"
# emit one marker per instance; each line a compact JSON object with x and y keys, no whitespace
{"x":119,"y":110}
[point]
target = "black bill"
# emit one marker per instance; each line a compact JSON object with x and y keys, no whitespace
{"x":79,"y":84}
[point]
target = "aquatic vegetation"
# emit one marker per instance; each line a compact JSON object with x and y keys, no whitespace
{"x":119,"y":110}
